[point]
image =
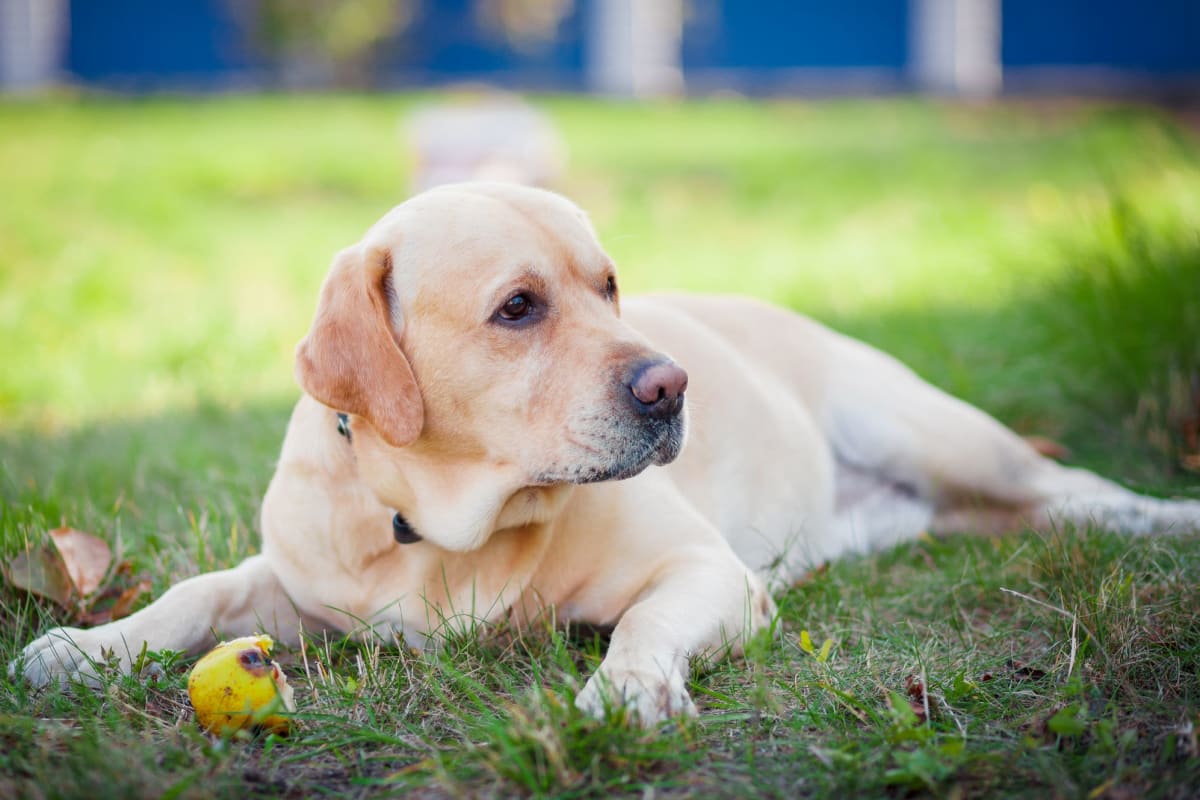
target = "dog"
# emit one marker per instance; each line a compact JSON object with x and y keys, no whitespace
{"x":489,"y":430}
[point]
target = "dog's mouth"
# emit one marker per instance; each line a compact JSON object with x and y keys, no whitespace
{"x":658,"y":443}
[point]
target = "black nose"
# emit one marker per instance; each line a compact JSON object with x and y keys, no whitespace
{"x":657,"y":389}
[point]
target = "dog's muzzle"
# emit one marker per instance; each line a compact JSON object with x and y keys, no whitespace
{"x":654,"y":433}
{"x":646,"y":425}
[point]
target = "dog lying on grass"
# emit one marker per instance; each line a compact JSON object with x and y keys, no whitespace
{"x":489,"y":429}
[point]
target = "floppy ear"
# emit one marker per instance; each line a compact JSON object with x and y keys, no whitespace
{"x":351,"y":359}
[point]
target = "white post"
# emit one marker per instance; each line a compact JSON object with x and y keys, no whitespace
{"x":955,"y":46}
{"x":633,"y":47}
{"x":32,"y":39}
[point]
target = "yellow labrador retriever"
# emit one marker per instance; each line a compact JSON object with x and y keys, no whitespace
{"x":486,"y":431}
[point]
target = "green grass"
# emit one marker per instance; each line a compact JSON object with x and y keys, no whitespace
{"x":159,"y":259}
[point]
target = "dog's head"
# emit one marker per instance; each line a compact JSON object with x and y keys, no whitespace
{"x":482,"y":322}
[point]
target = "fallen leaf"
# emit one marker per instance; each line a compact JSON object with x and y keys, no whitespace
{"x":1047,"y":447}
{"x":1023,"y":672}
{"x":114,"y":603}
{"x":124,"y":603}
{"x":86,"y":558}
{"x":921,"y":703}
{"x":813,"y":574}
{"x":71,"y":570}
{"x":41,"y":572}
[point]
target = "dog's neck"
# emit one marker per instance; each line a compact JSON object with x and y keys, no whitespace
{"x":457,"y":504}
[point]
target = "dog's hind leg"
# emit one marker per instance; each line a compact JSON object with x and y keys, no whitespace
{"x":987,"y":479}
{"x":978,"y":475}
{"x":1081,"y":498}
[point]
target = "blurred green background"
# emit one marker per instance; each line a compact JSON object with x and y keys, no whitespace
{"x":162,"y":255}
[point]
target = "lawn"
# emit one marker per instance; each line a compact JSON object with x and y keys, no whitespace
{"x":160,"y":258}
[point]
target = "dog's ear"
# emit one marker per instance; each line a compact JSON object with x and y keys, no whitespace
{"x":351,"y":359}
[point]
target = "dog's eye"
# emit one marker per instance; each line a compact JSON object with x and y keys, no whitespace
{"x":515,"y":308}
{"x":610,"y":287}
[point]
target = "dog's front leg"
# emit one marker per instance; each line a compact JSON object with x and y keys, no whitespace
{"x":238,"y":601}
{"x":700,"y":603}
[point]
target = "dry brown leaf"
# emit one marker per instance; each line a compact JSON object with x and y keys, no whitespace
{"x":86,"y":558}
{"x":811,"y":575}
{"x":1045,"y":446}
{"x":41,"y":572}
{"x":122,"y":602}
{"x":921,"y":703}
{"x":1024,"y":672}
{"x":70,"y":570}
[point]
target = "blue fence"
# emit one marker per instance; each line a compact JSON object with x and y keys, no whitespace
{"x":197,"y":43}
{"x":154,"y":43}
{"x":1154,"y":36}
{"x":783,"y":34}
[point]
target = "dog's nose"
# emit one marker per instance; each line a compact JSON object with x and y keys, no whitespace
{"x":658,"y":389}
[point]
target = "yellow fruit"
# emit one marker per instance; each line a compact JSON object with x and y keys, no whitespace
{"x":236,"y":685}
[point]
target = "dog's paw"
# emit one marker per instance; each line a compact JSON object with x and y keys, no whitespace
{"x":650,"y":696}
{"x":67,"y":655}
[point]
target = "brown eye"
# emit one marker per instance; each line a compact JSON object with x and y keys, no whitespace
{"x":516,"y":307}
{"x":610,"y":287}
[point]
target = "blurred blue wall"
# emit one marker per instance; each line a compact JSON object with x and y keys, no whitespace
{"x":448,"y":41}
{"x":197,"y":44}
{"x":1159,"y":36}
{"x":152,"y":43}
{"x":785,"y":34}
